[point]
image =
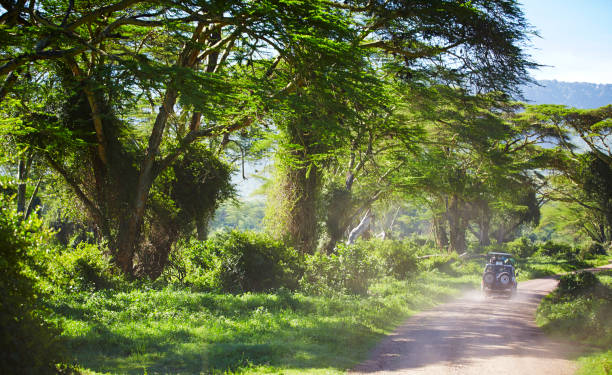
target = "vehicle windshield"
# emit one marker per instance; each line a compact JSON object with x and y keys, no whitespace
{"x":499,"y":268}
{"x":500,"y":259}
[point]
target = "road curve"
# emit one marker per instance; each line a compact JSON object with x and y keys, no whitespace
{"x":474,"y":335}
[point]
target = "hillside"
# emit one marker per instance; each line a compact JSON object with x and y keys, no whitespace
{"x":573,"y":94}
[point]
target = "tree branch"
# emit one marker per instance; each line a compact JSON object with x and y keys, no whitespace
{"x":192,"y":136}
{"x":89,"y":205}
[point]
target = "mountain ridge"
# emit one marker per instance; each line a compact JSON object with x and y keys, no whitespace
{"x":582,"y":95}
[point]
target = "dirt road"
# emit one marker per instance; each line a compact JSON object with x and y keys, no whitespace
{"x":474,"y":335}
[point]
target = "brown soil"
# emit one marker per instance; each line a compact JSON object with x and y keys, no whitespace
{"x":475,"y":335}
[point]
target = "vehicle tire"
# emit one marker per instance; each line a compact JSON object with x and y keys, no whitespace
{"x":504,"y":279}
{"x":488,"y":278}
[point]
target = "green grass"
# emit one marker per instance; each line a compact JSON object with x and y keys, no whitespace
{"x":585,"y":317}
{"x":598,"y":363}
{"x":542,"y":266}
{"x":176,"y":331}
{"x":180,"y":332}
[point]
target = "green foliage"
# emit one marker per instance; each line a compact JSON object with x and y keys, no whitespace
{"x":86,"y":267}
{"x":542,"y":265}
{"x":244,"y":215}
{"x":201,"y":183}
{"x":581,"y":309}
{"x":440,"y":262}
{"x":350,"y":269}
{"x":354,"y":268}
{"x":522,"y":247}
{"x":576,"y":284}
{"x":172,"y":330}
{"x":584,"y":179}
{"x":557,"y":249}
{"x":590,"y":250}
{"x":398,"y":258}
{"x":595,"y":364}
{"x":30,"y":344}
{"x":238,"y":262}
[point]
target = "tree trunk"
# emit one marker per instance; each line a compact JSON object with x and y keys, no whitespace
{"x":31,"y":203}
{"x":293,"y":216}
{"x":202,"y":226}
{"x":23,"y":170}
{"x":457,"y":226}
{"x":361,"y":228}
{"x":131,"y":226}
{"x":439,"y":228}
{"x":21,"y":186}
{"x":300,"y":189}
{"x":485,"y":226}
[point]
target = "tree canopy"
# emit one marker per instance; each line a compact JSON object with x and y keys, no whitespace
{"x":140,"y":109}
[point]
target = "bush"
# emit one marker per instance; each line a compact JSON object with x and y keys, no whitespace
{"x":85,"y":267}
{"x":581,"y":283}
{"x":398,"y":258}
{"x":350,"y":269}
{"x":590,"y":250}
{"x":441,"y":262}
{"x":580,"y":308}
{"x":30,"y":344}
{"x":557,"y":249}
{"x":238,"y":262}
{"x":522,"y":247}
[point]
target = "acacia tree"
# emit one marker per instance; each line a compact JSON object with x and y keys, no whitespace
{"x":202,"y":68}
{"x":476,"y":44}
{"x":360,"y":173}
{"x":320,"y":116}
{"x":476,"y":167}
{"x":580,"y":173}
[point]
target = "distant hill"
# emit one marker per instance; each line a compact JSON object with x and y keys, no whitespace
{"x":572,"y":94}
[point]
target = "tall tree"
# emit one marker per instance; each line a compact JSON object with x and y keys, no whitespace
{"x":475,"y":44}
{"x":477,"y":167}
{"x":202,"y":68}
{"x":580,"y":173}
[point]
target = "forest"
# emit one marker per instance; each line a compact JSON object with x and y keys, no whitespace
{"x":397,"y":149}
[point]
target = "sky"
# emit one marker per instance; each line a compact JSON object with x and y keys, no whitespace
{"x":575,"y":39}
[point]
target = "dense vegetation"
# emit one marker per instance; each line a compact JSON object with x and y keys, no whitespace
{"x":581,"y":309}
{"x":394,"y":150}
{"x":175,"y":330}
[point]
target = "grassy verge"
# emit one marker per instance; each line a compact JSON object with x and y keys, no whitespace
{"x":580,"y":309}
{"x":542,"y":265}
{"x":173,"y":330}
{"x":180,"y":332}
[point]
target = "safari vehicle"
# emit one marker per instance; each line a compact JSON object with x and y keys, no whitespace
{"x":499,"y":276}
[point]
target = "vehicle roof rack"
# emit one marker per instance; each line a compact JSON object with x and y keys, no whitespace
{"x":505,"y":254}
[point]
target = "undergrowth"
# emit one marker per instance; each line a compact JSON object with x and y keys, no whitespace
{"x":242,"y":303}
{"x":545,"y":265}
{"x":181,"y":332}
{"x":581,"y":309}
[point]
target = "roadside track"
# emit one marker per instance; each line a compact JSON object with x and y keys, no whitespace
{"x":473,"y":335}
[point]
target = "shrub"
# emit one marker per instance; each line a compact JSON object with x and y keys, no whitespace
{"x":557,"y":249}
{"x":85,"y":267}
{"x":590,"y":250}
{"x":398,"y":258}
{"x":441,"y":262}
{"x":575,"y":284}
{"x":30,"y":344}
{"x":580,"y":308}
{"x":476,"y":248}
{"x":522,"y":247}
{"x":349,"y":270}
{"x":238,"y":262}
